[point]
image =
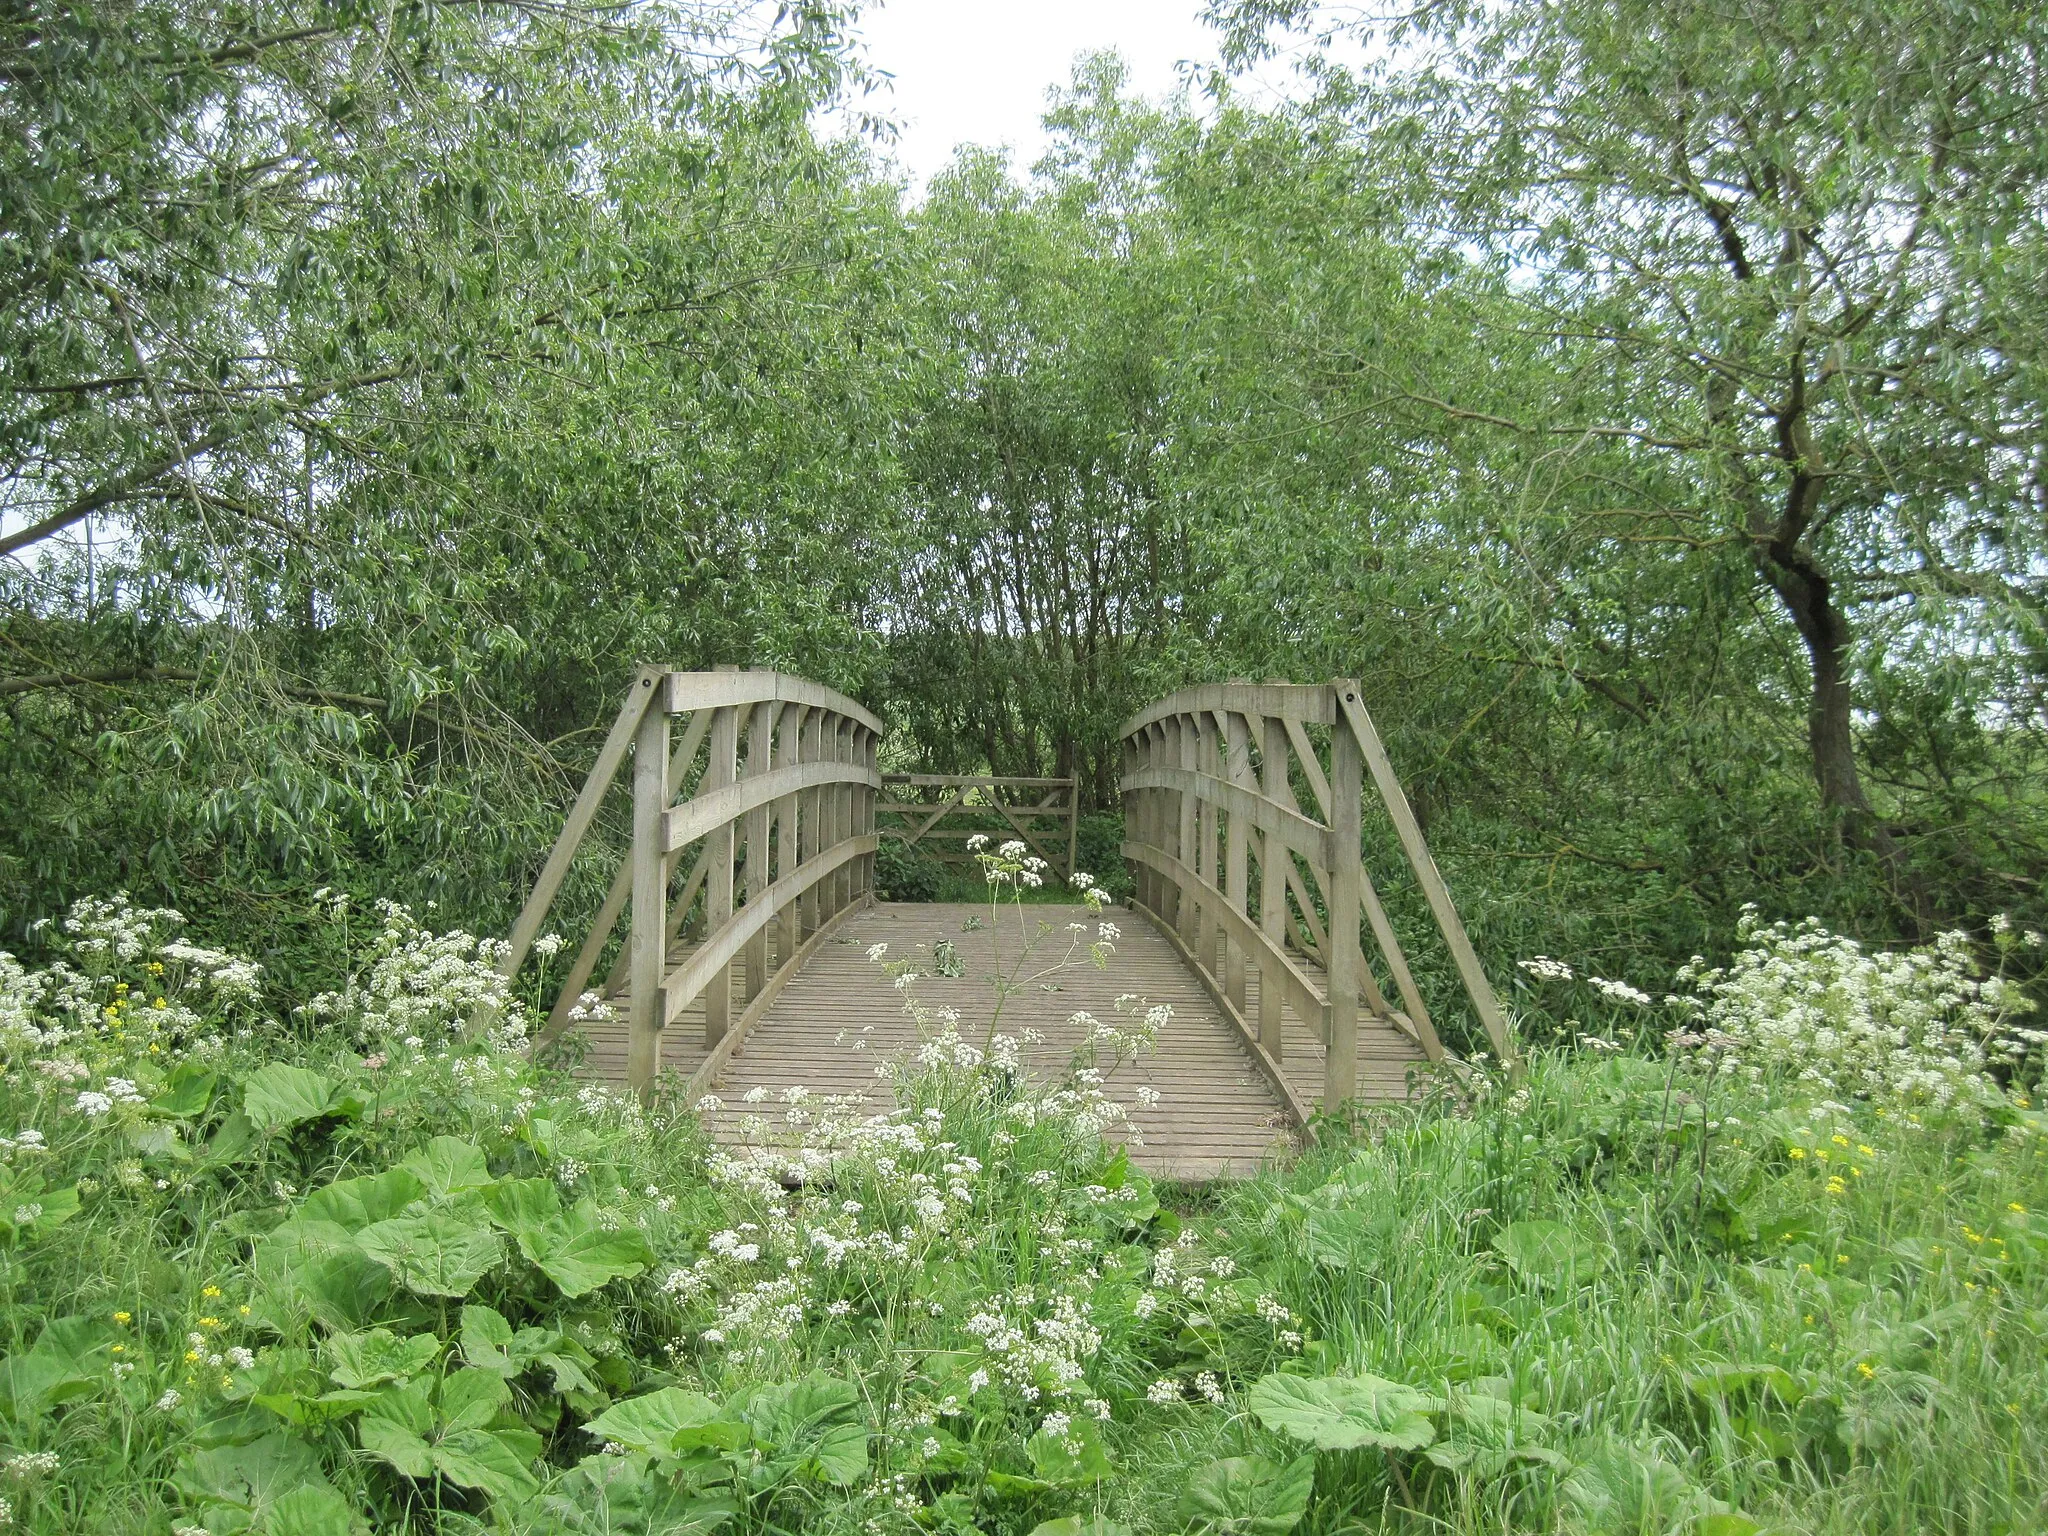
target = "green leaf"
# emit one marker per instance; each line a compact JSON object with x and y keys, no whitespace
{"x":314,"y":1510}
{"x":1080,"y":1525}
{"x":493,"y":1461}
{"x":579,"y":1254}
{"x":1725,"y":1381}
{"x":449,"y":1166}
{"x":433,"y":1255}
{"x":470,"y":1399}
{"x":373,"y":1358}
{"x":1548,"y":1252}
{"x":1342,"y":1413}
{"x":523,"y":1206}
{"x":487,"y":1341}
{"x":669,"y":1420}
{"x":253,"y":1477}
{"x":281,"y":1095}
{"x":1072,"y":1459}
{"x":1623,"y":1490}
{"x":1344,"y":1238}
{"x":186,"y":1093}
{"x":1487,"y":1435}
{"x":395,"y":1428}
{"x":68,"y":1360}
{"x":353,"y":1204}
{"x":1250,"y":1496}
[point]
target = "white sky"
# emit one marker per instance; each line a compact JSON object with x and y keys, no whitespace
{"x":976,"y":71}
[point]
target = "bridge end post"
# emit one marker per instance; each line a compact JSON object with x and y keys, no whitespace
{"x":1345,"y":959}
{"x":650,"y":891}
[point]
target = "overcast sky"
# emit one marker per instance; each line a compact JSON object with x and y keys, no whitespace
{"x":976,"y":71}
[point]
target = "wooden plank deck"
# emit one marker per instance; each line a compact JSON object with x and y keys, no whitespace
{"x":839,"y":1017}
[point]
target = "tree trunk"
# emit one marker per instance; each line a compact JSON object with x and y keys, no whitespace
{"x":1808,"y":596}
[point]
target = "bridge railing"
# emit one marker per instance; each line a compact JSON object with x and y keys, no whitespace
{"x":759,"y":821}
{"x":1231,"y":865}
{"x":1045,"y":814}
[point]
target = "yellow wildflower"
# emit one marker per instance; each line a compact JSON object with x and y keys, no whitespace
{"x":1839,"y":1140}
{"x":123,"y":1318}
{"x":209,"y":1322}
{"x":119,"y":1349}
{"x":1866,"y":1151}
{"x":1865,"y":1369}
{"x":209,"y":1290}
{"x":1795,"y":1153}
{"x":191,"y":1354}
{"x":2016,"y":1208}
{"x":243,"y":1309}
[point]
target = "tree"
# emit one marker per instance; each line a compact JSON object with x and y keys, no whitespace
{"x":1787,"y":263}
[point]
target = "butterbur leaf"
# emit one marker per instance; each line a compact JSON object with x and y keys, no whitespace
{"x":433,"y":1255}
{"x":252,"y":1478}
{"x":353,"y":1204}
{"x":1073,"y":1458}
{"x":449,"y":1166}
{"x":1487,"y":1435}
{"x":280,"y":1095}
{"x":577,"y":1252}
{"x":470,"y":1399}
{"x":1343,"y":1413}
{"x":68,"y":1360}
{"x":1080,"y":1525}
{"x":522,"y":1206}
{"x":667,"y":1421}
{"x":1250,"y":1496}
{"x":373,"y":1358}
{"x":1548,"y":1252}
{"x":1711,"y":1381}
{"x":1623,"y":1490}
{"x":487,"y":1340}
{"x":487,"y":1460}
{"x":186,"y":1093}
{"x":315,"y":1510}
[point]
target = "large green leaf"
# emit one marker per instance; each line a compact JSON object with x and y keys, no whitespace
{"x":1250,"y":1496}
{"x":1071,"y":1459}
{"x":437,"y":1254}
{"x":450,"y":1434}
{"x":523,"y":1206}
{"x":69,"y":1359}
{"x":449,"y":1166}
{"x":281,"y":1095}
{"x":1080,"y":1525}
{"x":186,"y":1093}
{"x":669,"y":1420}
{"x":354,"y":1204}
{"x":578,"y":1253}
{"x":1624,"y":1490}
{"x":314,"y":1510}
{"x":810,"y":1426}
{"x":373,"y":1358}
{"x":1487,"y":1435}
{"x":251,"y":1478}
{"x":1548,"y":1252}
{"x":1342,"y":1413}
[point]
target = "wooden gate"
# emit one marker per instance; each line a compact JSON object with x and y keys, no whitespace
{"x":1230,"y":866}
{"x":773,"y":785}
{"x":1045,"y":814}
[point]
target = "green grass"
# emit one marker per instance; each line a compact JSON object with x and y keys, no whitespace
{"x":1613,"y":1296}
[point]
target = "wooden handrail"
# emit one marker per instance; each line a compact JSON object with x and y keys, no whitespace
{"x":1200,"y":815}
{"x":787,"y":841}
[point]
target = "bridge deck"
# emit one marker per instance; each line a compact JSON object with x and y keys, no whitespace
{"x":839,"y":1016}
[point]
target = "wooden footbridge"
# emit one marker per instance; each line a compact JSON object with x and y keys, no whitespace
{"x":747,"y":895}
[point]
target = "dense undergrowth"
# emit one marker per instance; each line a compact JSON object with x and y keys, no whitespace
{"x":371,"y":1267}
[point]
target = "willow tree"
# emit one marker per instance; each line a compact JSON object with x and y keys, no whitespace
{"x":1787,"y":264}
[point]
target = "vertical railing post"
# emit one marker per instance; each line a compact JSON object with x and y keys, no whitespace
{"x":1273,"y":877}
{"x":650,"y":891}
{"x":1343,"y":958}
{"x":789,"y":738}
{"x":1186,"y":844}
{"x":1237,"y":767}
{"x":809,"y":844}
{"x":760,"y":750}
{"x":1073,"y":825}
{"x":869,"y":794}
{"x":719,"y":771}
